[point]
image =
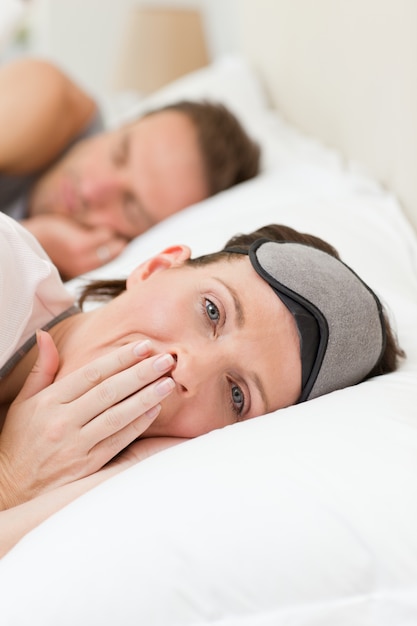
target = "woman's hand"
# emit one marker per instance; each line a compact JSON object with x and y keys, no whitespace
{"x":58,"y":432}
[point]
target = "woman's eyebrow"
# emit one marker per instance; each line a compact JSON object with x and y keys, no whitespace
{"x":240,"y":314}
{"x":240,"y":321}
{"x":125,"y":144}
{"x":258,"y":384}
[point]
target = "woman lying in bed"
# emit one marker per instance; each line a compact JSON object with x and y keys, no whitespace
{"x":180,"y":348}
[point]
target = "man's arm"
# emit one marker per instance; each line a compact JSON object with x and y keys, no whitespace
{"x":41,"y":111}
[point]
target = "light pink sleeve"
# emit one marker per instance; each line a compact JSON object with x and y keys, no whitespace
{"x":31,"y":290}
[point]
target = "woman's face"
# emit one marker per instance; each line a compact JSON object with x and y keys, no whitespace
{"x":235,"y":344}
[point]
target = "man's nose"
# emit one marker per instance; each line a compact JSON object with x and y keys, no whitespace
{"x":100,"y":190}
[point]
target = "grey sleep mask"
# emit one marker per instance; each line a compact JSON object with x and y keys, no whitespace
{"x":339,"y":319}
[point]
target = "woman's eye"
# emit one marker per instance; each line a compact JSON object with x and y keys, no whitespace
{"x":212,"y":311}
{"x":238,"y":399}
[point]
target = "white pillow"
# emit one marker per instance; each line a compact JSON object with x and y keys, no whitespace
{"x":305,"y":516}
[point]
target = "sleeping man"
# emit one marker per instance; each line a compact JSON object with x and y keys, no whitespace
{"x":85,"y":192}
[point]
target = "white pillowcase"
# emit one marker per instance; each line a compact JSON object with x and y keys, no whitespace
{"x":305,"y":516}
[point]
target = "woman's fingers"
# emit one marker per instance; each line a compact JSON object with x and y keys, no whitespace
{"x":121,"y":424}
{"x":107,"y":395}
{"x":74,"y":426}
{"x":44,"y":369}
{"x":78,"y":383}
{"x":114,"y":429}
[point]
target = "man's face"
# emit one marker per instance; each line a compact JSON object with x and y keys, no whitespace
{"x":128,"y":179}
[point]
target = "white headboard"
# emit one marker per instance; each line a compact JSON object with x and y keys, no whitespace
{"x":346,"y":72}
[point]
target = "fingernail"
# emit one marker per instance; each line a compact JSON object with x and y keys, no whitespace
{"x":39,"y":336}
{"x":164,"y":387}
{"x":163,"y":363}
{"x":142,"y":348}
{"x":153,"y":412}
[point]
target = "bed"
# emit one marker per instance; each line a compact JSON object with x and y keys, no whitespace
{"x":303,"y":517}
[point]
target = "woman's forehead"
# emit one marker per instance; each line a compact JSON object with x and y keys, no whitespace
{"x":262,"y":307}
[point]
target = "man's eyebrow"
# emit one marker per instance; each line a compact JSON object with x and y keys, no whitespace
{"x":240,"y":314}
{"x":142,"y":212}
{"x":240,"y":321}
{"x":126,"y":139}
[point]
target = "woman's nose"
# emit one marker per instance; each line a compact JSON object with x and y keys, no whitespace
{"x":194,"y":368}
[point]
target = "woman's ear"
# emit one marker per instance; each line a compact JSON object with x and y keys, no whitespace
{"x":173,"y":256}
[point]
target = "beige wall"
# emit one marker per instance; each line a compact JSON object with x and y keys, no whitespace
{"x":85,"y":36}
{"x":345,"y":71}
